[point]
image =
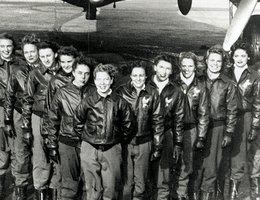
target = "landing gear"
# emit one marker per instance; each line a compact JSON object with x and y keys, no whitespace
{"x":251,"y":34}
{"x":91,"y":12}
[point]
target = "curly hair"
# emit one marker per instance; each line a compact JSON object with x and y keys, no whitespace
{"x":161,"y":57}
{"x":188,"y":55}
{"x":217,"y":49}
{"x":68,"y":51}
{"x":139,"y":64}
{"x":29,"y":39}
{"x":83,"y":60}
{"x":241,"y":45}
{"x":109,"y":68}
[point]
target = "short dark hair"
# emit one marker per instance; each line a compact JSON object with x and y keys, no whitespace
{"x":48,"y":45}
{"x":68,"y":51}
{"x":188,"y":55}
{"x":241,"y":45}
{"x":109,"y":68}
{"x":84,"y":60}
{"x":30,"y":39}
{"x":8,"y":36}
{"x":162,"y":57}
{"x":139,"y":64}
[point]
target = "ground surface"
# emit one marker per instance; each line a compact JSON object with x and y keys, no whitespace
{"x":137,"y":26}
{"x":135,"y":29}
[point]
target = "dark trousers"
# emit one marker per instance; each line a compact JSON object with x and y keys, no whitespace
{"x":136,"y":168}
{"x":20,"y":154}
{"x":70,"y":171}
{"x":244,"y":154}
{"x":186,"y":164}
{"x":4,"y":153}
{"x":4,"y":146}
{"x":161,"y":171}
{"x":101,"y":171}
{"x":215,"y":161}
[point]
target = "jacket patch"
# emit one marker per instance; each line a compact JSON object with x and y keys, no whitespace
{"x":168,"y":101}
{"x":145,"y":102}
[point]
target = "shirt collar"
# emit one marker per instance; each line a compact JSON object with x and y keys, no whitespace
{"x":98,"y":97}
{"x":160,"y":82}
{"x":241,"y":69}
{"x":187,"y":81}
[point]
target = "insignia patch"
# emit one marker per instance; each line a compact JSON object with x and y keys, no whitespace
{"x":145,"y":102}
{"x":167,"y":101}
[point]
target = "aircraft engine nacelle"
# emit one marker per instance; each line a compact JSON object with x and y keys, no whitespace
{"x":184,"y":6}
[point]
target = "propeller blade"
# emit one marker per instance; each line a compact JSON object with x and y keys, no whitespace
{"x":242,"y":15}
{"x":184,"y":6}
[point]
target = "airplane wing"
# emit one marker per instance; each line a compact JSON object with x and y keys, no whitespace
{"x":243,"y":13}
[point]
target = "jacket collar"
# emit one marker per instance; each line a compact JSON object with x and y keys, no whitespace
{"x":97,"y":97}
{"x":180,"y":82}
{"x":245,"y":72}
{"x":63,"y":73}
{"x":45,"y":70}
{"x":221,"y":77}
{"x":147,"y":88}
{"x":13,"y":60}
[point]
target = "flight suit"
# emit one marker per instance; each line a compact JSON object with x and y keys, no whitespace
{"x":215,"y":159}
{"x":45,"y":174}
{"x":6,"y":69}
{"x":246,"y":153}
{"x":196,"y":120}
{"x":103,"y":123}
{"x":63,"y":138}
{"x":172,"y":109}
{"x":21,"y":155}
{"x":149,"y":136}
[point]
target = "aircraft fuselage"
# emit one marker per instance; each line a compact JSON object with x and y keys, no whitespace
{"x":85,"y":3}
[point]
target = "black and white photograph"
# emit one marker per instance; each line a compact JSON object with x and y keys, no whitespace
{"x":129,"y":99}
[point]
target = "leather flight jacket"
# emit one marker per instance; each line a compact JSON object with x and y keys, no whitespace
{"x":172,"y":103}
{"x":6,"y":69}
{"x":104,"y":121}
{"x":34,"y":100}
{"x":223,"y":102}
{"x":147,"y":109}
{"x":59,"y":126}
{"x":59,"y":80}
{"x":248,"y":94}
{"x":15,"y":90}
{"x":196,"y":105}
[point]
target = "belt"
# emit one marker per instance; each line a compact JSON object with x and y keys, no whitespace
{"x":189,"y":126}
{"x":102,"y":147}
{"x":216,"y":123}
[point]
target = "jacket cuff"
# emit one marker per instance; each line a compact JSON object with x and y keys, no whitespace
{"x":178,"y":139}
{"x":180,"y":144}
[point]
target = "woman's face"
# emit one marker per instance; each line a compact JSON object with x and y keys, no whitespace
{"x":214,"y":62}
{"x":240,"y":58}
{"x":187,"y":67}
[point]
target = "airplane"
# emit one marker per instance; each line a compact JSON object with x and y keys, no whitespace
{"x":90,"y":6}
{"x":239,"y":22}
